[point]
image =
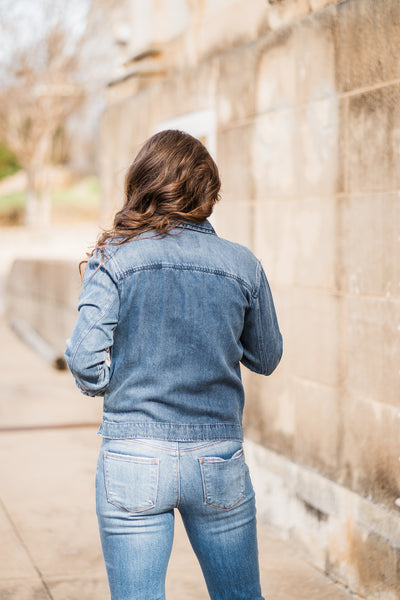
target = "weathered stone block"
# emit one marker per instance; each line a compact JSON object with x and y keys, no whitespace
{"x":370,"y":449}
{"x":123,"y":131}
{"x":373,"y":140}
{"x":314,"y":60}
{"x":226,"y":27}
{"x":270,"y":411}
{"x":273,"y":239}
{"x":317,"y":409}
{"x":272,"y":151}
{"x":295,"y":152}
{"x":367,"y":43}
{"x":316,"y":148}
{"x":375,"y":562}
{"x":317,"y":336}
{"x":319,"y":4}
{"x":315,"y":242}
{"x":296,"y":65}
{"x":282,"y":13}
{"x":270,"y":408}
{"x":234,"y":221}
{"x":187,"y":91}
{"x":234,"y":165}
{"x":373,"y":348}
{"x":369,"y":245}
{"x":236,"y":84}
{"x":276,"y":71}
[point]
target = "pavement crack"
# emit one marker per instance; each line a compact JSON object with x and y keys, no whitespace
{"x":26,"y":550}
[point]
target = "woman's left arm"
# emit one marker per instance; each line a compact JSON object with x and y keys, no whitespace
{"x":92,"y":337}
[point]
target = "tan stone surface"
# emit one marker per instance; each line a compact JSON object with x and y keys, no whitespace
{"x":273,"y":154}
{"x":314,"y":58}
{"x":270,"y":412}
{"x":317,"y":337}
{"x":235,"y":166}
{"x":230,"y":26}
{"x":315,"y":242}
{"x":315,"y":148}
{"x":273,"y":237}
{"x":187,"y":91}
{"x":236,"y":85}
{"x":276,"y":71}
{"x":317,"y":408}
{"x":294,"y":152}
{"x":373,"y":156}
{"x":373,"y":337}
{"x":234,"y":221}
{"x":283,"y":12}
{"x":370,"y":449}
{"x":297,"y":64}
{"x":369,"y":250}
{"x":319,"y":4}
{"x":368,"y":34}
{"x":296,"y":241}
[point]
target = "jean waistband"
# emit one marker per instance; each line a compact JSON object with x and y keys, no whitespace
{"x":174,"y":446}
{"x":182,"y":432}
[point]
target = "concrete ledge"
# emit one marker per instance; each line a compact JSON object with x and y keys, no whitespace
{"x":346,"y":536}
{"x":44,"y":294}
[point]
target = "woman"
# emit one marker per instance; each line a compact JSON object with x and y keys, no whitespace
{"x":167,"y":312}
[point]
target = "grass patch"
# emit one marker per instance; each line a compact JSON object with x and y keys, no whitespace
{"x":77,"y":202}
{"x":8,"y":161}
{"x":85,"y":193}
{"x":12,"y":201}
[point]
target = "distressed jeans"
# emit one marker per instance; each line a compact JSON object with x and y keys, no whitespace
{"x":140,"y":482}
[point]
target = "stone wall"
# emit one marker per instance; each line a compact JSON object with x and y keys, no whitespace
{"x":306,"y":97}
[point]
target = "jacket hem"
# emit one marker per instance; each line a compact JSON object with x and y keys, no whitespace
{"x":178,"y":432}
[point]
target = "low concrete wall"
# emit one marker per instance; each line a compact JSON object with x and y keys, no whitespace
{"x":44,"y":294}
{"x":344,"y":534}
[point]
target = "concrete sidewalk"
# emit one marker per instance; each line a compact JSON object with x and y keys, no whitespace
{"x":50,"y":545}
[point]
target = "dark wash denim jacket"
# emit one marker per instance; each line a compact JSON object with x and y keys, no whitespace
{"x":178,"y":314}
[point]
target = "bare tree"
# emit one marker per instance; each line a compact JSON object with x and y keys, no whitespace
{"x":39,"y":89}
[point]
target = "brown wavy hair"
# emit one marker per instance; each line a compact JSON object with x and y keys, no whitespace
{"x":172,"y":179}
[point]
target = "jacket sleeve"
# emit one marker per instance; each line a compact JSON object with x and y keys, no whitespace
{"x":261,"y":338}
{"x":92,"y":337}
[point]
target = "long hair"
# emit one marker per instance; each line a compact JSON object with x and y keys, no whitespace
{"x":172,"y":179}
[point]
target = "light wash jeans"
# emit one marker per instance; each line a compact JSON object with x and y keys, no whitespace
{"x":140,"y":482}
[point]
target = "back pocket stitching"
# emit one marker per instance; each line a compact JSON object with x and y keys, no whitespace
{"x":133,"y":459}
{"x":218,"y":460}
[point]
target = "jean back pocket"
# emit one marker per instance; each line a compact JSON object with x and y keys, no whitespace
{"x":131,"y":481}
{"x":223,"y":480}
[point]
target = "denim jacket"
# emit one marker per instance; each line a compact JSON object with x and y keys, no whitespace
{"x":162,"y":327}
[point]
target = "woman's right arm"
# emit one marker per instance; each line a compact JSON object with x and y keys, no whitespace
{"x":92,"y":337}
{"x":261,"y":338}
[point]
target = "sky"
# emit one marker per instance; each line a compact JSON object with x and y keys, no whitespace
{"x":23,"y":21}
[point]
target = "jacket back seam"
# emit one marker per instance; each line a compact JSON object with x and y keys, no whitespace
{"x":189,"y":267}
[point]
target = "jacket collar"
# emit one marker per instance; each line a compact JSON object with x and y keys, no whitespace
{"x":204,"y":227}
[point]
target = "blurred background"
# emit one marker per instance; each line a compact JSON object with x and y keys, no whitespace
{"x":299,"y":103}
